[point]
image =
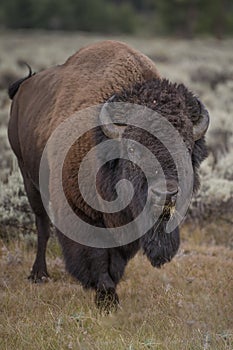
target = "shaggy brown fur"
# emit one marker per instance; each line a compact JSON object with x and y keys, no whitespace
{"x":43,"y":101}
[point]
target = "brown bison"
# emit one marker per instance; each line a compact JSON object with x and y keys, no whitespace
{"x":101,"y":73}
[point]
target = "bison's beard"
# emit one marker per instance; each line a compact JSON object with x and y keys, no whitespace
{"x":160,"y":246}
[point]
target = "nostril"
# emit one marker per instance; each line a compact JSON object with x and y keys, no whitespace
{"x":167,"y":196}
{"x":171,"y":197}
{"x":172,"y":193}
{"x":172,"y":189}
{"x":159,"y":193}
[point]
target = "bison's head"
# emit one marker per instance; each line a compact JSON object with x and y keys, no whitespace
{"x":160,"y":187}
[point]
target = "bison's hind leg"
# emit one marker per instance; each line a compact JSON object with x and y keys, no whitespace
{"x":39,"y":271}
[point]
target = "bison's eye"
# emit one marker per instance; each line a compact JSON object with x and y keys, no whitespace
{"x":134,"y":152}
{"x":131,"y":149}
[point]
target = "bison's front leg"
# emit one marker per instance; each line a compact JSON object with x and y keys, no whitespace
{"x":106,"y":298}
{"x":117,"y":260}
{"x":90,"y":266}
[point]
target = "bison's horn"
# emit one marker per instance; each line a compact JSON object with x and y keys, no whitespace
{"x":200,"y":127}
{"x":110,"y":129}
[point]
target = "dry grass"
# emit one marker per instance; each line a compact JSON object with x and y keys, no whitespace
{"x":185,"y":305}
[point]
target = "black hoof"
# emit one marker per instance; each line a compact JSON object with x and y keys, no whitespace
{"x":107,"y":300}
{"x":38,"y":276}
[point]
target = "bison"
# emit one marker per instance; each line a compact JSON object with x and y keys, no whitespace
{"x":104,"y":73}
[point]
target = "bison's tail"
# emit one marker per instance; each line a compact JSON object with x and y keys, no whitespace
{"x":13,"y":88}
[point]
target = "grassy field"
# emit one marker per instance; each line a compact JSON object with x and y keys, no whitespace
{"x":187,"y":304}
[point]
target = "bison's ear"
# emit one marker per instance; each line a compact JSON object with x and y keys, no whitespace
{"x":112,"y":124}
{"x":200,"y":125}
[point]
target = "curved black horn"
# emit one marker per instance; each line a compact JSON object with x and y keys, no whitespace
{"x":201,"y":126}
{"x":110,"y":129}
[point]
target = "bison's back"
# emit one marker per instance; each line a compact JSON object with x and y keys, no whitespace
{"x":96,"y":72}
{"x":87,"y":78}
